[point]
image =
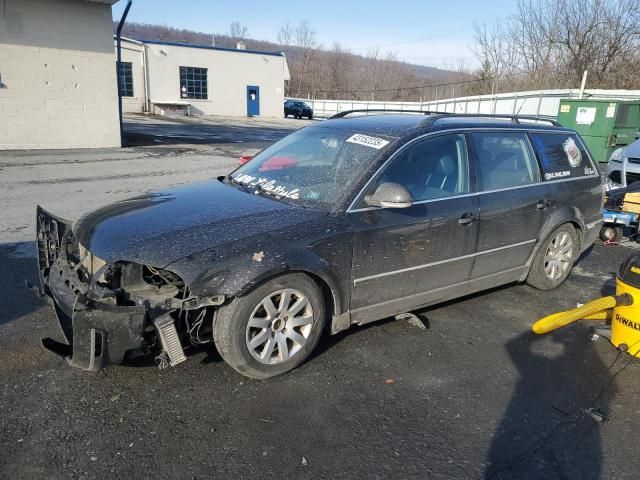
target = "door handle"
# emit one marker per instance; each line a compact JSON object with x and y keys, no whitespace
{"x":467,"y":218}
{"x":543,"y":204}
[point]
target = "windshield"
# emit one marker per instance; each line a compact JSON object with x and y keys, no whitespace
{"x":312,"y":166}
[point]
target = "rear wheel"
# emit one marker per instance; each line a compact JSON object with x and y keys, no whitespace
{"x":555,"y":259}
{"x":273,"y":329}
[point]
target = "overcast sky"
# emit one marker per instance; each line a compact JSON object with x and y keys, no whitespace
{"x":426,"y":32}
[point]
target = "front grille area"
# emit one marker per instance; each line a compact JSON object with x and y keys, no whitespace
{"x":634,"y":160}
{"x":631,"y":177}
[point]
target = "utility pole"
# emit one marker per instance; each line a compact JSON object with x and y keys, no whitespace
{"x":584,"y":83}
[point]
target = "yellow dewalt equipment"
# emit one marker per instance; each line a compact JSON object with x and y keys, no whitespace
{"x":621,"y":311}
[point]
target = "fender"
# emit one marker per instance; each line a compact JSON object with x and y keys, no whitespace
{"x":233,"y":271}
{"x":559,"y":216}
{"x":305,"y":261}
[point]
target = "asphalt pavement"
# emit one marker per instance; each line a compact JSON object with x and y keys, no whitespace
{"x":466,"y":393}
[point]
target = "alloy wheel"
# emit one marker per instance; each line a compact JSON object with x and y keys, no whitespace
{"x":559,"y":256}
{"x":279,"y":326}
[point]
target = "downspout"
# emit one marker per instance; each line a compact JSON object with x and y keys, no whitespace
{"x":119,"y":63}
{"x":145,"y":70}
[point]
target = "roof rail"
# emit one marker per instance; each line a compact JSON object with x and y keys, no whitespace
{"x":514,"y":118}
{"x":382,"y":110}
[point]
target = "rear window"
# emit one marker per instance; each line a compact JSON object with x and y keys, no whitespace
{"x":562,"y":156}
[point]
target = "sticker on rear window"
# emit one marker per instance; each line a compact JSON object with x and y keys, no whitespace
{"x":573,"y":152}
{"x":368,"y":141}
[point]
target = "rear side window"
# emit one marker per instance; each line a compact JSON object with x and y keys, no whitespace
{"x":562,"y":156}
{"x":504,"y":159}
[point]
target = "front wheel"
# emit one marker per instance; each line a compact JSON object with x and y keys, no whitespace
{"x":272,"y":329}
{"x":554,"y":261}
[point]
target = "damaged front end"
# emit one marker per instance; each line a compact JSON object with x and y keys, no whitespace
{"x":112,"y":311}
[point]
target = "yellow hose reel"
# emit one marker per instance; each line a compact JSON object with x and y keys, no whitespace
{"x":622,"y":310}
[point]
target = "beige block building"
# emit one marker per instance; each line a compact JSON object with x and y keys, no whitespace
{"x":167,"y":77}
{"x":58,"y":85}
{"x":57,"y":75}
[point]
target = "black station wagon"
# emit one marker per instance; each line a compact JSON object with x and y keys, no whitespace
{"x":351,"y":220}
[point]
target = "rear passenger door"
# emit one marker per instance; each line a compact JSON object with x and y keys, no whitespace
{"x":513,"y":203}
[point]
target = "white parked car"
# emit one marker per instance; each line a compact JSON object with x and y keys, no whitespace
{"x":624,"y":165}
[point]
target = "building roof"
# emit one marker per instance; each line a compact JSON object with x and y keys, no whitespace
{"x":206,"y":47}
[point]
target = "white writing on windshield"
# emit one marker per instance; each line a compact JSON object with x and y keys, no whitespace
{"x":268,"y":186}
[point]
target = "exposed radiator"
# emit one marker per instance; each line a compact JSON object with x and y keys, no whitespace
{"x":168,"y":334}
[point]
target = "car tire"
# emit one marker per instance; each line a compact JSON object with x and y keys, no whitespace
{"x":310,"y":117}
{"x":555,"y":258}
{"x":610,"y":233}
{"x":286,"y":115}
{"x":249,"y":334}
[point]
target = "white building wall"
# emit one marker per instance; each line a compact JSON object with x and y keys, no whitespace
{"x":132,"y":52}
{"x":58,"y":75}
{"x":229,"y":73}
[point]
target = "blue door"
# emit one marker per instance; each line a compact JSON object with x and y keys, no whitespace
{"x":253,"y":100}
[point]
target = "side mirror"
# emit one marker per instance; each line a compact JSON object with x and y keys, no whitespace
{"x":389,"y":195}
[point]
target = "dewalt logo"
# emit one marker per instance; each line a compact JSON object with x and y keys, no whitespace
{"x":627,"y":323}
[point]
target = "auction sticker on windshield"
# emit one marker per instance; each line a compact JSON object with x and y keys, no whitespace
{"x":368,"y":141}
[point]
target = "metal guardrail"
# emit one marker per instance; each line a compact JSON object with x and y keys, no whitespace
{"x":543,"y":103}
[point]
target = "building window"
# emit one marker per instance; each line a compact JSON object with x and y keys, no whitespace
{"x":126,"y":79}
{"x":193,"y":83}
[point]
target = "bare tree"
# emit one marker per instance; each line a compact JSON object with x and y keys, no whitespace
{"x":305,"y":40}
{"x":549,"y":43}
{"x":338,"y":69}
{"x":494,"y":51}
{"x":373,"y":71}
{"x":285,"y":36}
{"x":237,"y":30}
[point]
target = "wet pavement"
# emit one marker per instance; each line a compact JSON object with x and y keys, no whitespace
{"x":467,"y":393}
{"x":157,"y":130}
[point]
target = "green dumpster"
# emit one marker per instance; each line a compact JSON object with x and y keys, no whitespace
{"x":604,"y":124}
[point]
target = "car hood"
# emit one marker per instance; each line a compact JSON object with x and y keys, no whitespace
{"x":632,"y":150}
{"x":161,"y":227}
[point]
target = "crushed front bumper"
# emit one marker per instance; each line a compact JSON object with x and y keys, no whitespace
{"x":97,"y":334}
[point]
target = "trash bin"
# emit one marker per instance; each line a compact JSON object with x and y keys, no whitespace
{"x":603,"y":124}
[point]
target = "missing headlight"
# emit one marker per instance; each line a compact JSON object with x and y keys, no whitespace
{"x":149,"y":285}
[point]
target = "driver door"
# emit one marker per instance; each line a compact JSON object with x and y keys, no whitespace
{"x":407,"y":257}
